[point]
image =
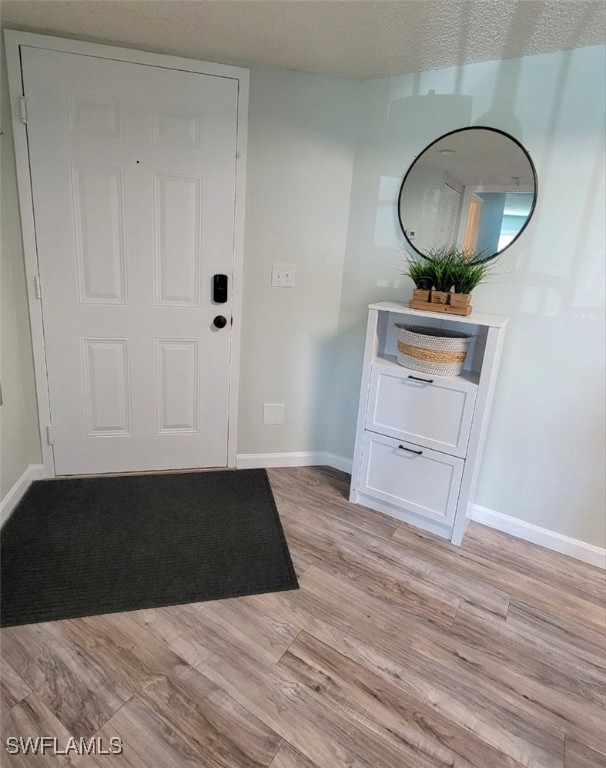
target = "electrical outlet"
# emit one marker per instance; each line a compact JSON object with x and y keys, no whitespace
{"x":283,"y":275}
{"x":274,"y":413}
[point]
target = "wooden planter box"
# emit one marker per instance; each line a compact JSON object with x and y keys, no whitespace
{"x":460,"y":299}
{"x":439,"y":297}
{"x":420,"y":294}
{"x":441,"y":301}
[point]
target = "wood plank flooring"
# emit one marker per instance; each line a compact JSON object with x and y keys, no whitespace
{"x":398,"y":650}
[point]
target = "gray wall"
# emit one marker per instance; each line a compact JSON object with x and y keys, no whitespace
{"x":300,"y":163}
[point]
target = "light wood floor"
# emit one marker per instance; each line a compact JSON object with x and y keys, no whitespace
{"x":398,"y":650}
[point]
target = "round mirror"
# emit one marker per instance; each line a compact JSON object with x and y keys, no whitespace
{"x":474,"y":188}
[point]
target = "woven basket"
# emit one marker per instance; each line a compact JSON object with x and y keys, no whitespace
{"x":432,"y":350}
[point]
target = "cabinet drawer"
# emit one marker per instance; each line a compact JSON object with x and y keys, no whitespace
{"x":435,"y":412}
{"x":417,"y":479}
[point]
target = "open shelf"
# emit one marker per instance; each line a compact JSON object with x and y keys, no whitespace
{"x":477,"y":326}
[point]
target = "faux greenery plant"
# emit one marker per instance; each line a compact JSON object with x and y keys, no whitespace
{"x":455,"y":253}
{"x":440,"y":271}
{"x":449,"y":267}
{"x":468,"y":275}
{"x":419,"y":274}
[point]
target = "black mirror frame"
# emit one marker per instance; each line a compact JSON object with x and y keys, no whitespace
{"x":460,"y":130}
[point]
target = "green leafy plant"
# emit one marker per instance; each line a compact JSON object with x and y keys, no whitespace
{"x":449,"y":267}
{"x":458,"y":268}
{"x":440,"y":271}
{"x":468,"y":275}
{"x":455,"y":253}
{"x":419,"y":273}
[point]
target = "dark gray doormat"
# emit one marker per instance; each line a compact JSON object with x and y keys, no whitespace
{"x":78,"y":547}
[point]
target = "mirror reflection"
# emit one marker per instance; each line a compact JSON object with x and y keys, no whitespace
{"x":474,"y":188}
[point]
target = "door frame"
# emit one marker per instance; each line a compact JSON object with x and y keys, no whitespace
{"x":14,"y":40}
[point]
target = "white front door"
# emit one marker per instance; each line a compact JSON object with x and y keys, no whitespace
{"x":133,"y":180}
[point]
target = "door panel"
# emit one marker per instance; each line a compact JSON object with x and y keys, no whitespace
{"x":177,"y":241}
{"x":133,"y":180}
{"x":99,"y":220}
{"x":178,"y":382}
{"x":106,"y":386}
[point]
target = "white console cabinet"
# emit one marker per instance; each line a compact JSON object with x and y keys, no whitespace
{"x":420,"y":436}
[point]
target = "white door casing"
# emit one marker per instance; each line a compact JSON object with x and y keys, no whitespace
{"x":133,"y":173}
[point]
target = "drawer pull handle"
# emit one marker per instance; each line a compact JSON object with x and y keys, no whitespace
{"x":417,"y":378}
{"x":419,"y":453}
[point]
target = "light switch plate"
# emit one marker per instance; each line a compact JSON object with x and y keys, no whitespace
{"x":283,"y":275}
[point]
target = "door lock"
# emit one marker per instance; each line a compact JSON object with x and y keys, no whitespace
{"x":220,"y":321}
{"x":219,"y":289}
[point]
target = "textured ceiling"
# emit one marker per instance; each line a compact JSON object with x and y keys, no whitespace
{"x":351,"y":38}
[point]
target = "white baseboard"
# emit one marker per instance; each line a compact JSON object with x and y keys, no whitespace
{"x":295,"y":459}
{"x":17,"y":492}
{"x":537,"y":535}
{"x":338,"y":462}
